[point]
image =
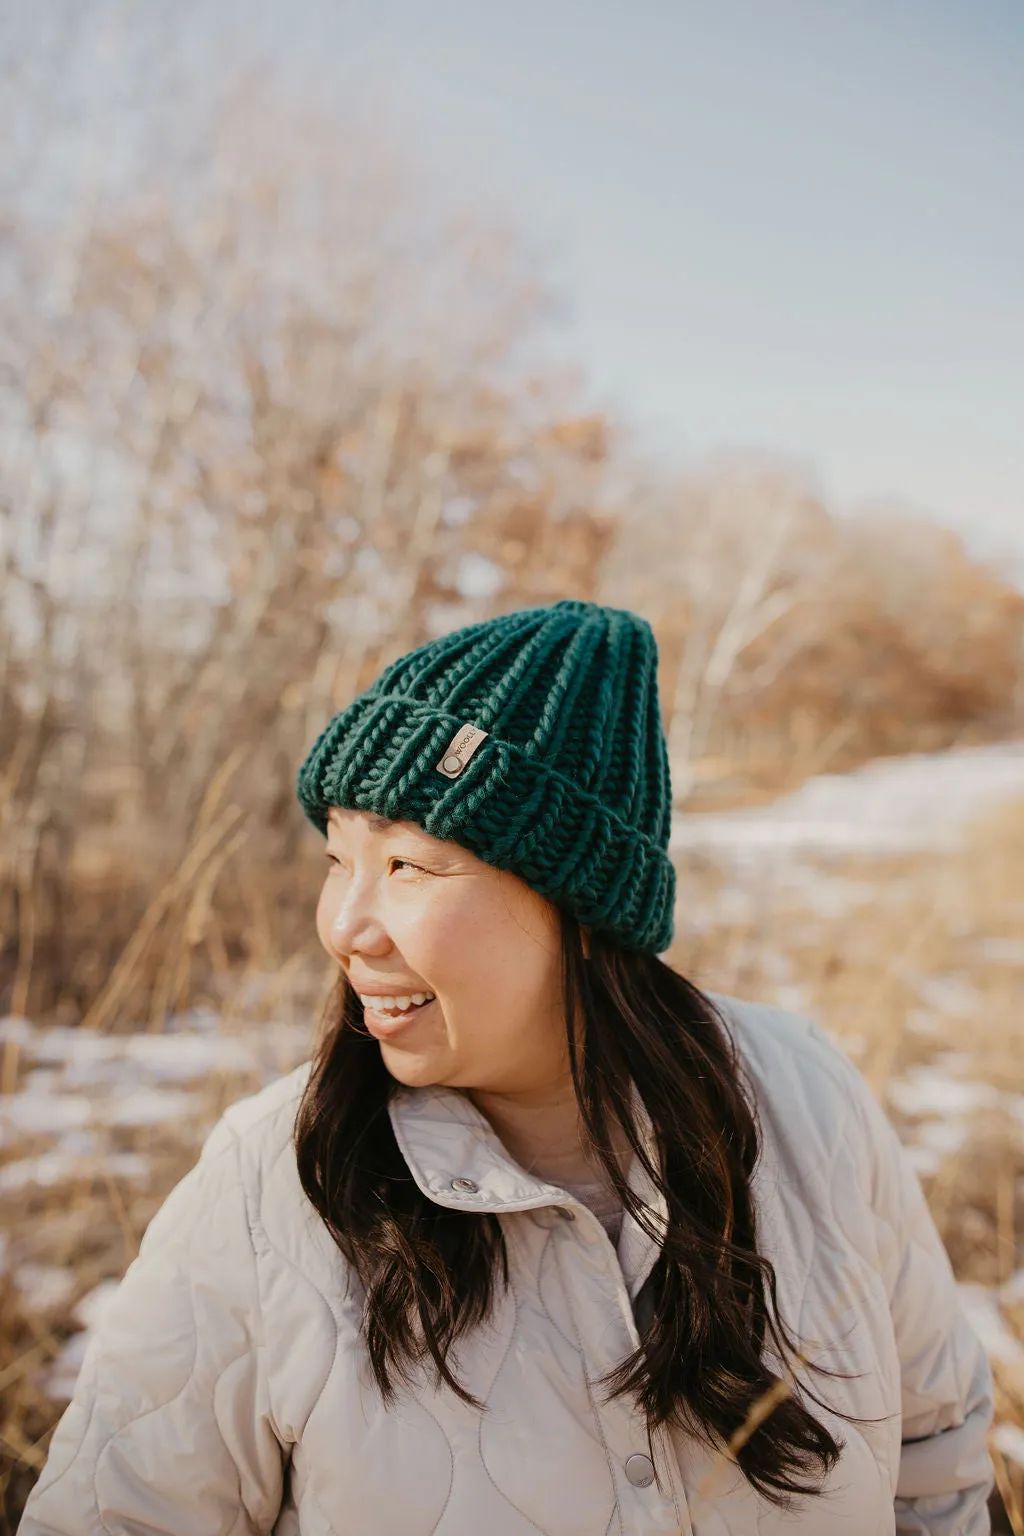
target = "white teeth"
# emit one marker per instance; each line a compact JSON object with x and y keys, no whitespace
{"x":401,"y":1004}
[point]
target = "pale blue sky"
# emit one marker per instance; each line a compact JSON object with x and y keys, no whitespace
{"x":781,"y":224}
{"x":795,"y":225}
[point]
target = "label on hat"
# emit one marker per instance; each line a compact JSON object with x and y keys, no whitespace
{"x":460,"y":749}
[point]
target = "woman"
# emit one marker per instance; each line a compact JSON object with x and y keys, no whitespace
{"x":545,"y":1239}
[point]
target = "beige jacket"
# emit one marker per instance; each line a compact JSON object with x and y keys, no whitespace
{"x":227,"y":1390}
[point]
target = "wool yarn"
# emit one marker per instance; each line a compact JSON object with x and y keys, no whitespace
{"x":535,"y":740}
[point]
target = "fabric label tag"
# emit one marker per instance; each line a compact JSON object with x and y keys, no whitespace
{"x":460,"y":749}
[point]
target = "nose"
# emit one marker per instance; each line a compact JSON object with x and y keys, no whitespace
{"x":349,"y":922}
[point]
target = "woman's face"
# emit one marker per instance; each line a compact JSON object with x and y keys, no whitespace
{"x":404,"y":912}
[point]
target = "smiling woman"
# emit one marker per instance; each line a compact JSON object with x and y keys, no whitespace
{"x":545,"y":1238}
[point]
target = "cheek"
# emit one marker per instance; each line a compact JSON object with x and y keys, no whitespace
{"x":511,"y":950}
{"x":497,"y":976}
{"x":325,"y":910}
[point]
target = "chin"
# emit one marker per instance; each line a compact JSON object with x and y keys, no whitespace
{"x":412,"y":1069}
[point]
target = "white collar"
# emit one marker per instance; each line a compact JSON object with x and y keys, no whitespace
{"x":457,"y":1160}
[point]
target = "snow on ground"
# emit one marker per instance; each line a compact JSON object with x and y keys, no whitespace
{"x":935,"y":1088}
{"x":1009,"y":1440}
{"x":891,"y":805}
{"x":982,"y":1308}
{"x":1003,"y":1348}
{"x":944,"y":1106}
{"x":61,"y":1165}
{"x":1013,"y":1291}
{"x":787,"y":857}
{"x":80,"y":1093}
{"x":80,"y":1082}
{"x":791,"y":849}
{"x":47,"y":1285}
{"x":78,"y":1079}
{"x":1001,"y":951}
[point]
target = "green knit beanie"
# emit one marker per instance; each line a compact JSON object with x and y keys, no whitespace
{"x":533,"y":739}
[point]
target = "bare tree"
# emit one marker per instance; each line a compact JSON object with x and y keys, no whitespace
{"x":257,"y":455}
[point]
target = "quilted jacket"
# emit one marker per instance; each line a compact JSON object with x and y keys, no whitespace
{"x":227,"y":1392}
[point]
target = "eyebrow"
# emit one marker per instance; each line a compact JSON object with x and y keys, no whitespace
{"x":376,"y":823}
{"x":381,"y":823}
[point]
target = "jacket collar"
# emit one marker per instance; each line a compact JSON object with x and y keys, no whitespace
{"x":458,"y":1161}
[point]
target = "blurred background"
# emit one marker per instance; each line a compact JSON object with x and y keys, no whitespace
{"x":326,"y":328}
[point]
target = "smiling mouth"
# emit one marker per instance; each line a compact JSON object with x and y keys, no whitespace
{"x":383,"y":1025}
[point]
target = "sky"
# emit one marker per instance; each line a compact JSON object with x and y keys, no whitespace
{"x":775,"y":225}
{"x":778,"y":225}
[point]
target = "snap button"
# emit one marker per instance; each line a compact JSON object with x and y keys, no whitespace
{"x":465,"y":1184}
{"x":640,"y":1471}
{"x":565,"y":1213}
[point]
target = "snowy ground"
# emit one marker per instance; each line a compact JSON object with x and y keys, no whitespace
{"x":92,"y":1107}
{"x":79,"y":1085}
{"x":793,"y":855}
{"x":892,"y":805}
{"x":942,"y":1102}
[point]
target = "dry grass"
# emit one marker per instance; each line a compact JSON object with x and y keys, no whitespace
{"x":923,"y":969}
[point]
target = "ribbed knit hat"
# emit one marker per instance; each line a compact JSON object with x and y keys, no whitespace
{"x":533,"y":739}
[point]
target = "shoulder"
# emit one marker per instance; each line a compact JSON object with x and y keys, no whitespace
{"x":265,"y":1121}
{"x":256,"y":1135}
{"x":247,"y":1141}
{"x":804,"y":1085}
{"x":770,"y":1038}
{"x":255,"y":1140}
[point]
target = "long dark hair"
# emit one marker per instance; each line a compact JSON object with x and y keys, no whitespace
{"x":429,"y":1273}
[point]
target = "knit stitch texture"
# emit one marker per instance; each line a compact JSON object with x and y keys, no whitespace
{"x":570,"y":787}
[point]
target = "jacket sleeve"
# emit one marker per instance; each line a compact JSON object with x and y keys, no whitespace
{"x":946,"y":1472}
{"x":169,"y":1432}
